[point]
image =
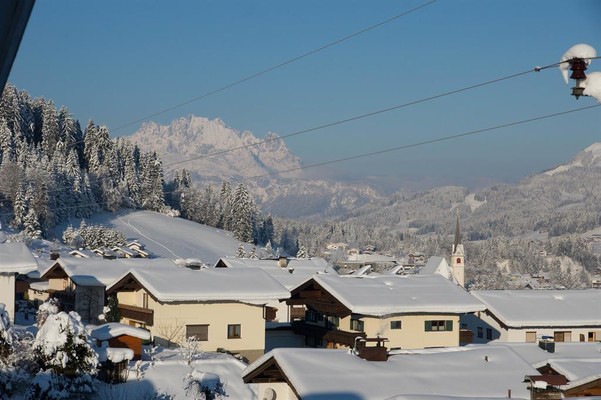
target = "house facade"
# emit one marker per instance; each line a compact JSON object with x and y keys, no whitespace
{"x":15,"y":259}
{"x":222,"y":308}
{"x":412,"y":312}
{"x":529,"y":315}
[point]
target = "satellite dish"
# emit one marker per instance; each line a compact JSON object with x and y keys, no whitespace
{"x":270,"y":394}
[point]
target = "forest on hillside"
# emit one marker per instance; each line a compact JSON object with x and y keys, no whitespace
{"x":52,"y":170}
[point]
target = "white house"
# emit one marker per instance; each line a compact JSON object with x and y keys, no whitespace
{"x":526,"y":315}
{"x":15,"y":258}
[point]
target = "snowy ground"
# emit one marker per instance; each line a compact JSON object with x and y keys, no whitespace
{"x":166,"y":376}
{"x":168,"y":237}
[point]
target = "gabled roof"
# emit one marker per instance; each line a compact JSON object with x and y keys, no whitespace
{"x":382,"y":295}
{"x":16,"y":258}
{"x":99,"y":271}
{"x":543,"y":308}
{"x":461,"y":372}
{"x":437,"y":265}
{"x":297,"y":271}
{"x":208,"y":284}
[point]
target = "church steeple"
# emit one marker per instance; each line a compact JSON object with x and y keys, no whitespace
{"x":457,"y":235}
{"x":458,"y":257}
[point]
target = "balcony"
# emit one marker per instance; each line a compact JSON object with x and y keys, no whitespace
{"x":145,"y":315}
{"x":329,"y":336}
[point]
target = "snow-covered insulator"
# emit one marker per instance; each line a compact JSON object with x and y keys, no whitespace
{"x":578,"y":66}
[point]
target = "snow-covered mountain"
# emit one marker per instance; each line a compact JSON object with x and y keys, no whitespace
{"x":287,"y":195}
{"x":193,"y":138}
{"x":589,"y":157}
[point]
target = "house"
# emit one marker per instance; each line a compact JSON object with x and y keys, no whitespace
{"x":79,"y":283}
{"x":457,"y":373}
{"x":121,"y":336}
{"x":15,"y":259}
{"x":413,"y":311}
{"x":289,"y":272}
{"x":526,"y":315}
{"x":569,"y":369}
{"x":378,"y":262}
{"x":224,"y":308}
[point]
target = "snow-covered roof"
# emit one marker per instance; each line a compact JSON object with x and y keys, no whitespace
{"x":207,"y":284}
{"x":436,"y":265}
{"x":103,"y":272}
{"x":462,"y":371}
{"x":381,"y":295}
{"x":296,"y":272}
{"x":41,"y":286}
{"x":543,"y":308}
{"x":371,"y":258}
{"x":16,"y":258}
{"x":115,"y":329}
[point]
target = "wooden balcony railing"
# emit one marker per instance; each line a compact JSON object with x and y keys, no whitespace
{"x":145,"y":315}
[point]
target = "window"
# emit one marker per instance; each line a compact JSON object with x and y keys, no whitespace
{"x":531,"y":337}
{"x":488,"y":333}
{"x":480,"y":332}
{"x":438,"y":326}
{"x":200,"y":332}
{"x":333,"y":321}
{"x":592,"y":337}
{"x":313,"y":341}
{"x":562,"y":336}
{"x":396,"y":324}
{"x":313,"y":316}
{"x":357,"y":325}
{"x":233,"y":331}
{"x":458,"y":260}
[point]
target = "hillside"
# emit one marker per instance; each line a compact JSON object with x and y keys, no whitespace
{"x":169,"y":237}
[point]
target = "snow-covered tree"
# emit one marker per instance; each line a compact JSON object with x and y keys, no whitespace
{"x":112,"y":313}
{"x":302,"y":252}
{"x":203,"y":386}
{"x":240,"y":253}
{"x":63,"y":346}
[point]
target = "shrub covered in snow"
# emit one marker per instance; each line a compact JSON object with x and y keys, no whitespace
{"x":5,"y":333}
{"x":203,"y":386}
{"x":49,"y":386}
{"x":63,"y":346}
{"x":93,"y":236}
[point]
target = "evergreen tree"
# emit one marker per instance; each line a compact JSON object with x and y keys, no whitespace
{"x":112,"y":315}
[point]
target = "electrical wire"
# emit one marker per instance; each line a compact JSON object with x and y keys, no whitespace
{"x":418,"y":144}
{"x":387,"y":150}
{"x":354,"y":118}
{"x":274,"y":67}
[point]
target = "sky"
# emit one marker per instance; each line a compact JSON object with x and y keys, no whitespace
{"x":119,"y":61}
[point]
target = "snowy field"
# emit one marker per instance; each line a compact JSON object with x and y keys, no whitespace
{"x":168,"y":237}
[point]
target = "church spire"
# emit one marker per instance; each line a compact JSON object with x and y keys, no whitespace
{"x":457,"y":235}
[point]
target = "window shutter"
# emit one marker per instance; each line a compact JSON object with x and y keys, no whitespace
{"x":448,"y":325}
{"x":428,"y":326}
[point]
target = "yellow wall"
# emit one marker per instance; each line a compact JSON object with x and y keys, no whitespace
{"x":282,"y":390}
{"x":412,"y":335}
{"x":172,"y":318}
{"x":7,"y":294}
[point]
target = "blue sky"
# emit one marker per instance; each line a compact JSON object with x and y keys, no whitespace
{"x":117,"y":61}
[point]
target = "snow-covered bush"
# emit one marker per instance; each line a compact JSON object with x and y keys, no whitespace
{"x":190,"y":350}
{"x":93,"y":236}
{"x":5,"y":334}
{"x":50,"y":386}
{"x":63,"y":346}
{"x":47,"y":308}
{"x":203,"y":386}
{"x":111,"y":313}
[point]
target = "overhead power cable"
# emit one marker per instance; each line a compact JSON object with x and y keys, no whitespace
{"x":274,"y":67}
{"x":387,"y":150}
{"x":423,"y":143}
{"x":355,"y":118}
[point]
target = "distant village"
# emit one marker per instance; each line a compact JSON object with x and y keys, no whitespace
{"x":367,"y":327}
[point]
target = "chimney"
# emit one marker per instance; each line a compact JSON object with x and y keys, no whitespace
{"x":283,"y":261}
{"x":547,"y":345}
{"x":379,"y":352}
{"x":54,"y":255}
